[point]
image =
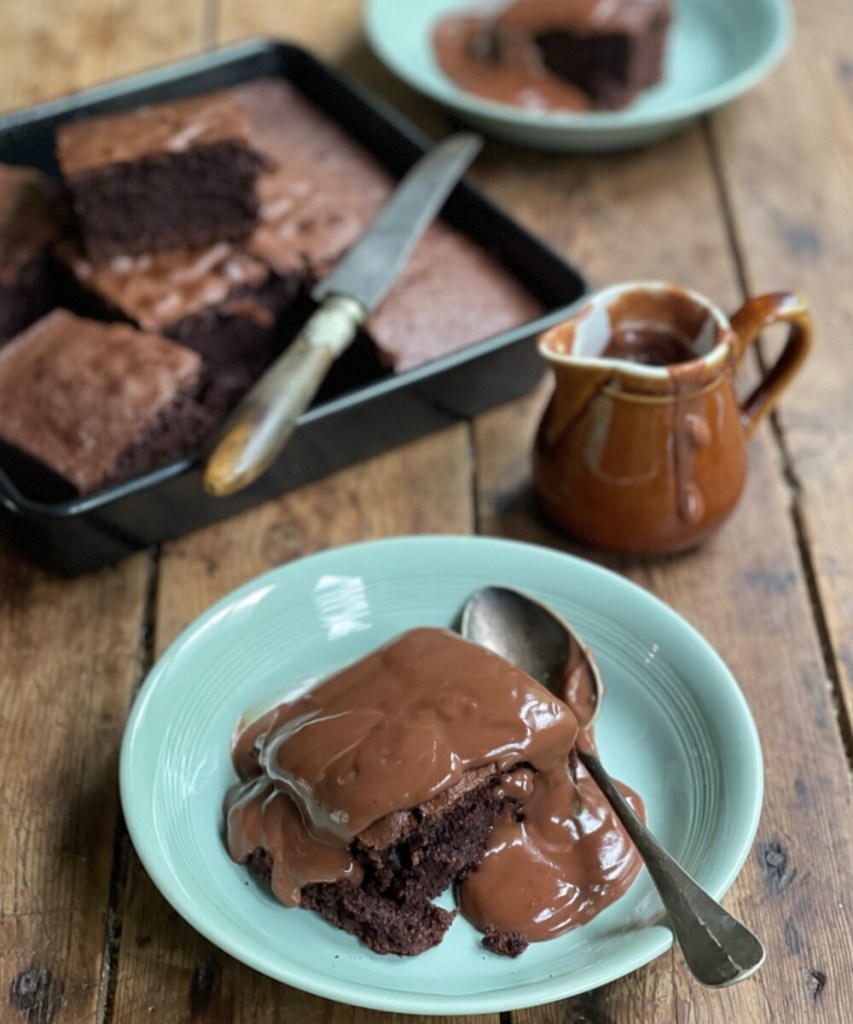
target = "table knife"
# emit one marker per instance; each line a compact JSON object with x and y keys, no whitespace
{"x":260,"y":425}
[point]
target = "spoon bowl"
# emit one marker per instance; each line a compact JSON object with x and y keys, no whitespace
{"x":533,"y":636}
{"x":717,"y":948}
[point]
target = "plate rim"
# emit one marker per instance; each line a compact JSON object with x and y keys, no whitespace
{"x":558,"y":123}
{"x":525,"y":993}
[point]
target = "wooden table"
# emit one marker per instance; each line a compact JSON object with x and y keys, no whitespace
{"x":758,"y":197}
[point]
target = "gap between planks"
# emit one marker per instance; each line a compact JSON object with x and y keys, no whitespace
{"x":121,"y":840}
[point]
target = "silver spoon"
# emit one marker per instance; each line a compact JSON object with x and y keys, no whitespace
{"x":717,"y":948}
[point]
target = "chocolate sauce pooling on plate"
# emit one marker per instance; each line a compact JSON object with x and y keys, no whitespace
{"x":492,"y":51}
{"x":400,"y":727}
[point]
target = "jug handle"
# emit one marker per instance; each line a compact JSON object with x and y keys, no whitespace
{"x":754,"y":316}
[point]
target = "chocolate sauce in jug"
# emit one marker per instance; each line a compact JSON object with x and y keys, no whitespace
{"x":648,"y":346}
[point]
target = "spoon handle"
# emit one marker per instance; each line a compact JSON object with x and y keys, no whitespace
{"x":719,"y":950}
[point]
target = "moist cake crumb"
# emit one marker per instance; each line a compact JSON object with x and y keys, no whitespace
{"x":175,"y":174}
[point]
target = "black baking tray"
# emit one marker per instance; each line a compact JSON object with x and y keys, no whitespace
{"x":76,"y":536}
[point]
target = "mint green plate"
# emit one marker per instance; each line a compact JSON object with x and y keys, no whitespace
{"x":674,"y":726}
{"x":717,"y":49}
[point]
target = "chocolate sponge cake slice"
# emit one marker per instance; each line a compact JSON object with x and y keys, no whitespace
{"x":219,"y":300}
{"x":178,"y":174}
{"x":612,"y":68}
{"x":96,"y":403}
{"x":367,"y":797}
{"x":556,"y":55}
{"x":320,"y":190}
{"x":609,"y":49}
{"x":407,"y":859}
{"x":404,"y":861}
{"x":34,"y":214}
{"x":430,"y":763}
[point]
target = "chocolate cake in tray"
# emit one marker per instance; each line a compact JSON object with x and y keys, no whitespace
{"x":95,"y":402}
{"x":34,"y":215}
{"x":208,"y":198}
{"x":163,"y":175}
{"x":220,"y":301}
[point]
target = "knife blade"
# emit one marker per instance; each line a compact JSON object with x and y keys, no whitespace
{"x":261,"y":424}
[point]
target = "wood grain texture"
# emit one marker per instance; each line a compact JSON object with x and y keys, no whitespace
{"x":333,"y":32}
{"x":51,"y":48}
{"x":69,"y":653}
{"x":760,"y":197}
{"x":777,"y":145}
{"x":329,"y":30}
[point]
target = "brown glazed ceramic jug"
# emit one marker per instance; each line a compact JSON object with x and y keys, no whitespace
{"x":642,"y":448}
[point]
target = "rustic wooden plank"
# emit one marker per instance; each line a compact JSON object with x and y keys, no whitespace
{"x":788,"y":164}
{"x":423,"y":488}
{"x":298,"y":21}
{"x":613,"y":217}
{"x":642,"y":215}
{"x":69,"y":657}
{"x":53,"y":48}
{"x":307,"y":23}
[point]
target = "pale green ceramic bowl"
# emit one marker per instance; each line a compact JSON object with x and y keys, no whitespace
{"x":717,"y":49}
{"x":674,"y":726}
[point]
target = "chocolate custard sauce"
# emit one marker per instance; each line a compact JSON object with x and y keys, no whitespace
{"x":648,"y":345}
{"x":400,"y":727}
{"x":515,"y":75}
{"x":579,"y":690}
{"x":495,"y":53}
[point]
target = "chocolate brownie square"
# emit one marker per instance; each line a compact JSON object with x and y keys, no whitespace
{"x":319,"y":189}
{"x":96,"y":403}
{"x":33,"y":215}
{"x":218,"y":300}
{"x":320,"y":192}
{"x":178,"y":174}
{"x":409,"y":858}
{"x":451,"y":294}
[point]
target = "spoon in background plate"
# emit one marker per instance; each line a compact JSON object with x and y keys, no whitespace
{"x":717,"y":948}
